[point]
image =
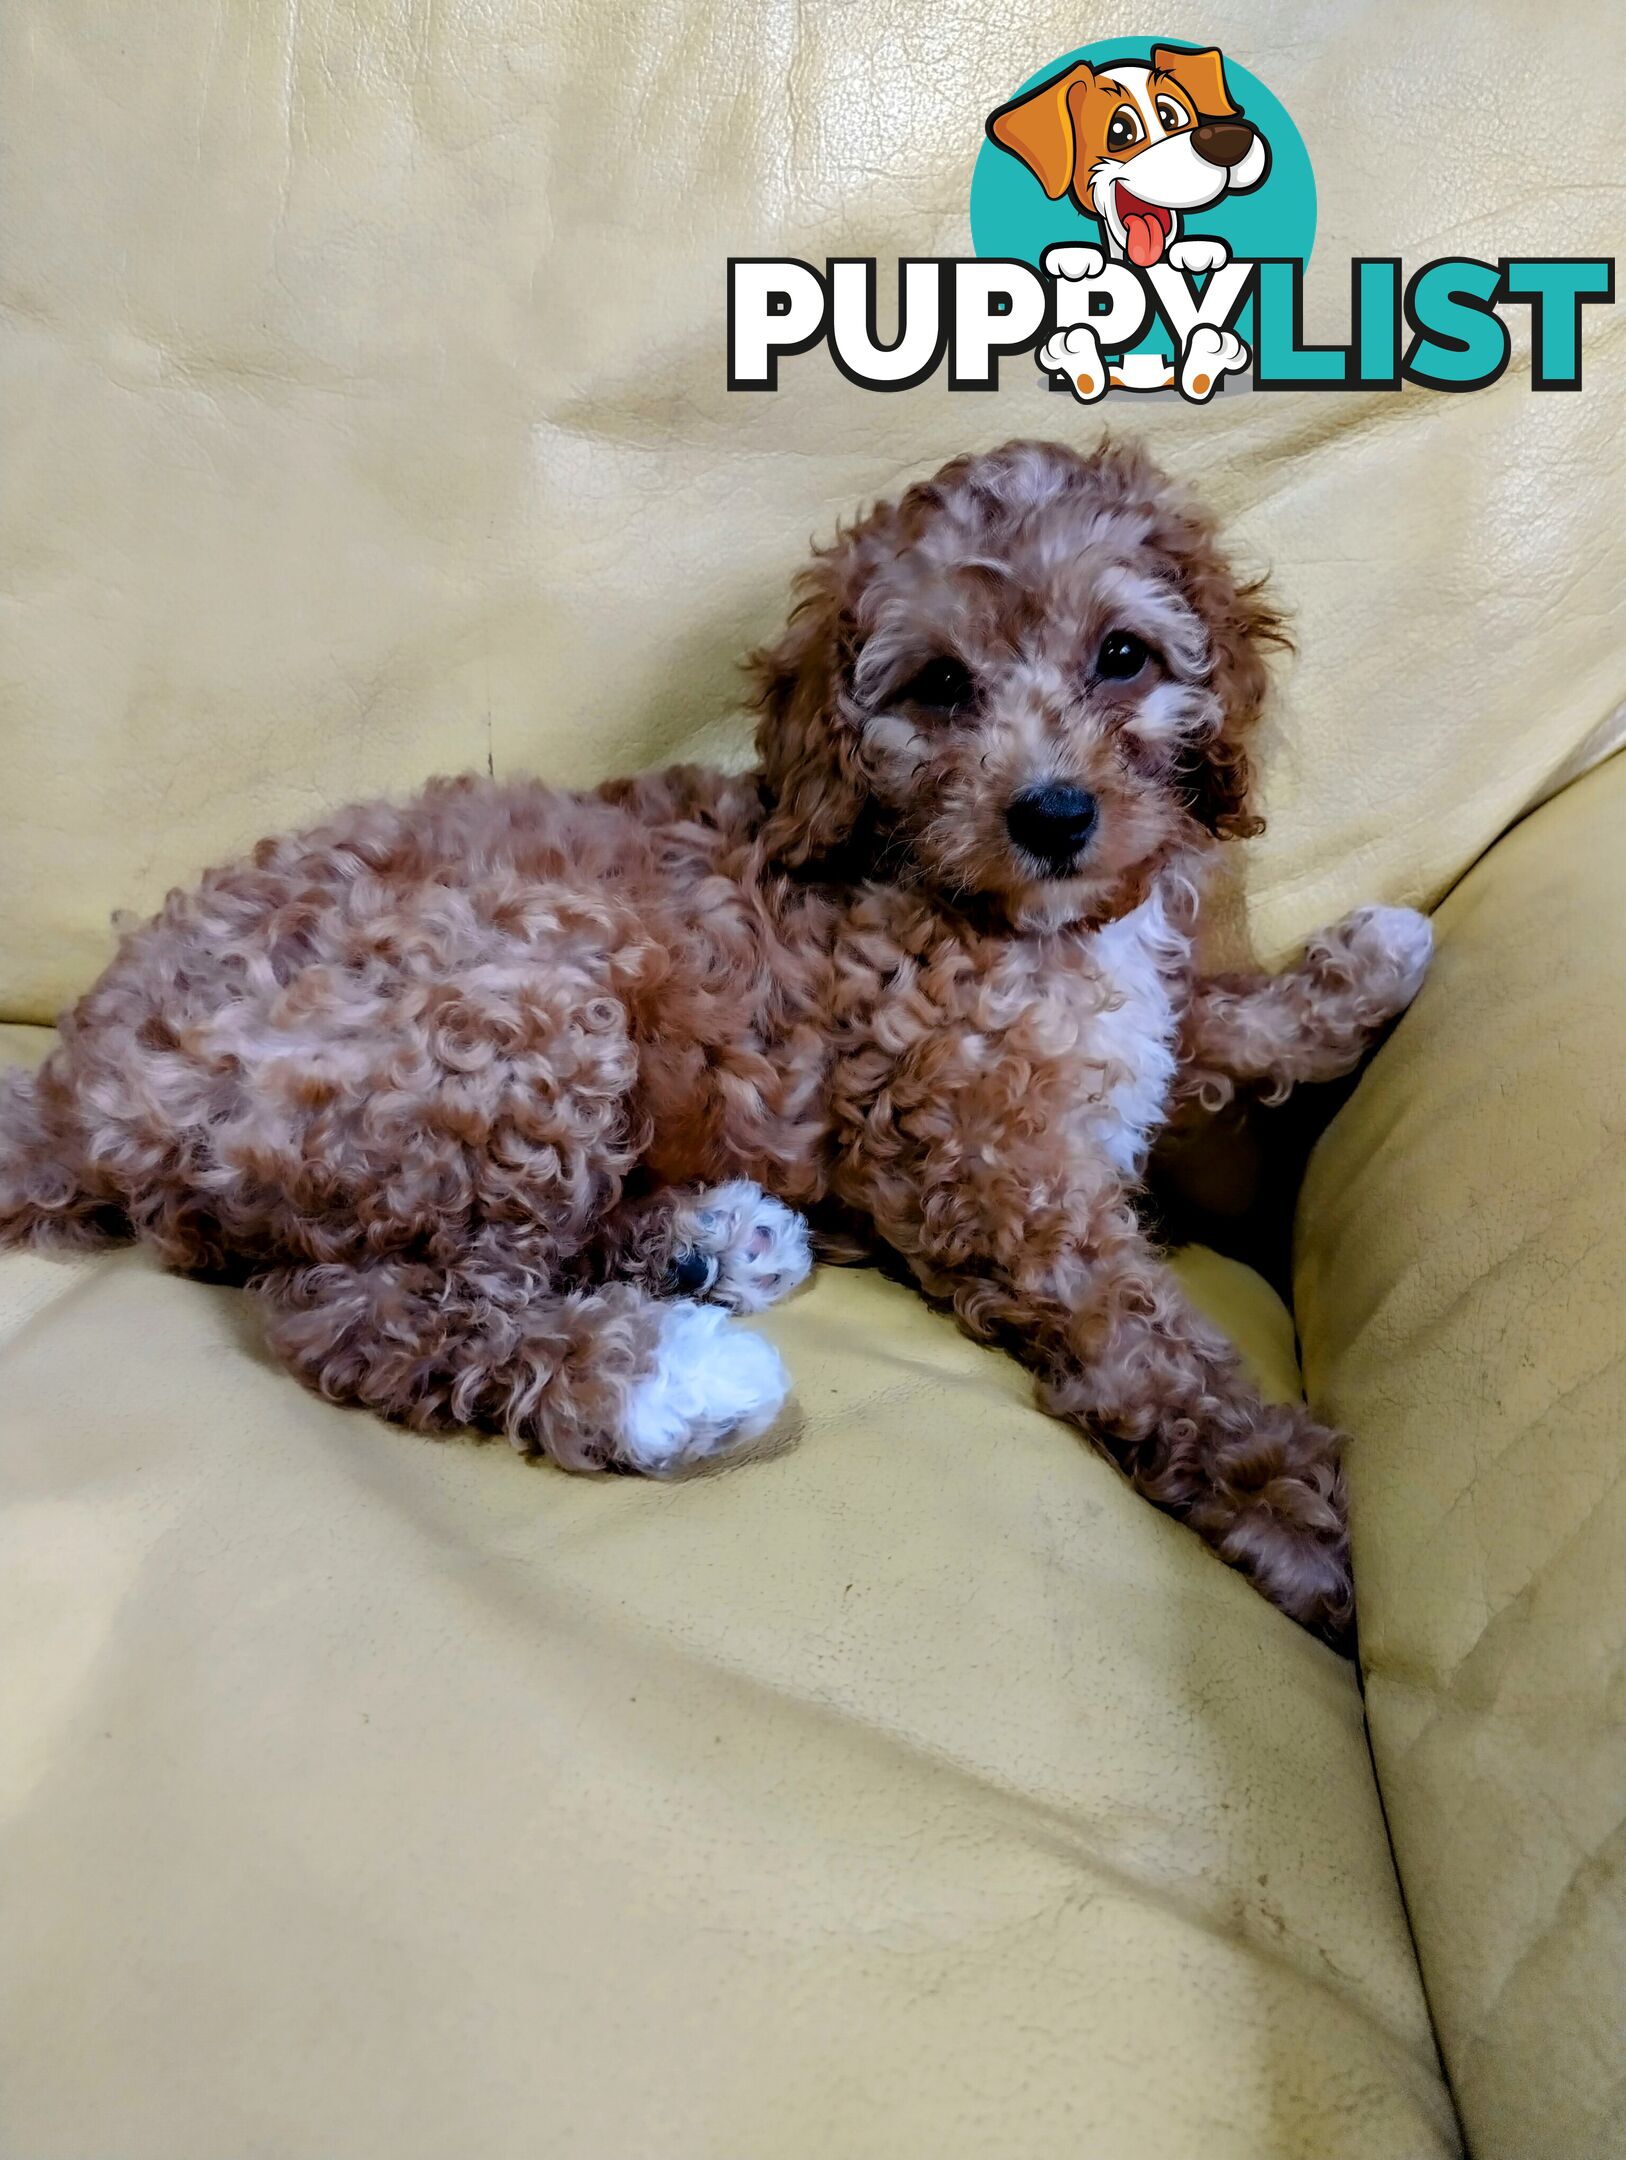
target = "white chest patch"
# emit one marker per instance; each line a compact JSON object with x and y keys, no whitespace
{"x":1135,"y":1039}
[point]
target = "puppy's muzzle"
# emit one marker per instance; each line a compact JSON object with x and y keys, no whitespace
{"x":1052,"y":822}
{"x":1222,"y":142}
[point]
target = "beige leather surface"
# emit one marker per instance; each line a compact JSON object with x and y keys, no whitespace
{"x":1462,"y":1297}
{"x":363,"y":371}
{"x":916,"y":1790}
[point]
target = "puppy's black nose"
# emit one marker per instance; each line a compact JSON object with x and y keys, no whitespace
{"x":1052,"y":822}
{"x":1222,"y":142}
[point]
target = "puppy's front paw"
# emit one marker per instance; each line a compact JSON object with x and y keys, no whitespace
{"x":1381,"y":953}
{"x":1198,"y":257}
{"x":739,"y":1247}
{"x":1072,"y":262}
{"x":712,"y":1386}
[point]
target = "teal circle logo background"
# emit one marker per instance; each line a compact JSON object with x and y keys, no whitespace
{"x":1012,"y":215}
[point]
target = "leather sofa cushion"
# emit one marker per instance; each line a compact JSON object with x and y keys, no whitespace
{"x":1462,"y":1298}
{"x":915,"y":1789}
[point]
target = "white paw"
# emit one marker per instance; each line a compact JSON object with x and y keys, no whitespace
{"x":1072,"y":262}
{"x":1209,"y":354}
{"x":1076,"y":353}
{"x":713,"y":1386}
{"x":1398,"y":935}
{"x":1198,"y":257}
{"x":756,"y":1248}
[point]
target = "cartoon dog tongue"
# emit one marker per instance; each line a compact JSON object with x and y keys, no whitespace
{"x":1143,"y":236}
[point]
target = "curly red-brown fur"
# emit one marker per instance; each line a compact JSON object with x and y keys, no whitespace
{"x":449,"y":1079}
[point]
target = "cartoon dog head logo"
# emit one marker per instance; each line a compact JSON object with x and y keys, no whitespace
{"x":1148,"y":145}
{"x":1138,"y":145}
{"x":1142,"y":217}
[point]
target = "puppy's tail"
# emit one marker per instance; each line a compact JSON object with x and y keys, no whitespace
{"x":48,"y":1197}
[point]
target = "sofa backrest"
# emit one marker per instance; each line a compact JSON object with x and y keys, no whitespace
{"x":365,"y":396}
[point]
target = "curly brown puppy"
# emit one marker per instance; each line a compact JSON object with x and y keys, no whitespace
{"x":487,"y":1092}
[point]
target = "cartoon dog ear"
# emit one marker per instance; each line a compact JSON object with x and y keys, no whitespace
{"x":1201,"y":75}
{"x":1038,"y":129}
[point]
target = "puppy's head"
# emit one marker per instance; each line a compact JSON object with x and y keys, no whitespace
{"x":1026,"y":686}
{"x":1136,"y":143}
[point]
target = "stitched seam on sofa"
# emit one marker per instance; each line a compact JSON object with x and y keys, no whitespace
{"x":1411,"y":1925}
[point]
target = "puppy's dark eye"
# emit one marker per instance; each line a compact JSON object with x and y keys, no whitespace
{"x":943,"y":685}
{"x":1122,"y":656}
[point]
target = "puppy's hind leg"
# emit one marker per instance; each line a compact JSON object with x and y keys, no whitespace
{"x":750,"y":1247}
{"x":50,"y":1197}
{"x":732,"y":1245}
{"x":1164,"y":1393}
{"x":596,"y":1377}
{"x":1118,"y":1350}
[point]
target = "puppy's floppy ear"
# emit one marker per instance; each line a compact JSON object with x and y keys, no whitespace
{"x":807,"y":727}
{"x":1201,"y":75}
{"x":1243,"y":627}
{"x":1038,"y":128}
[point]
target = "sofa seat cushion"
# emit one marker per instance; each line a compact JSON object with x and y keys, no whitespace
{"x":1462,"y":1294}
{"x":913,"y":1789}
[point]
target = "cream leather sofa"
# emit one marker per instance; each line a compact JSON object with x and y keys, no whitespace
{"x":916,"y":1791}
